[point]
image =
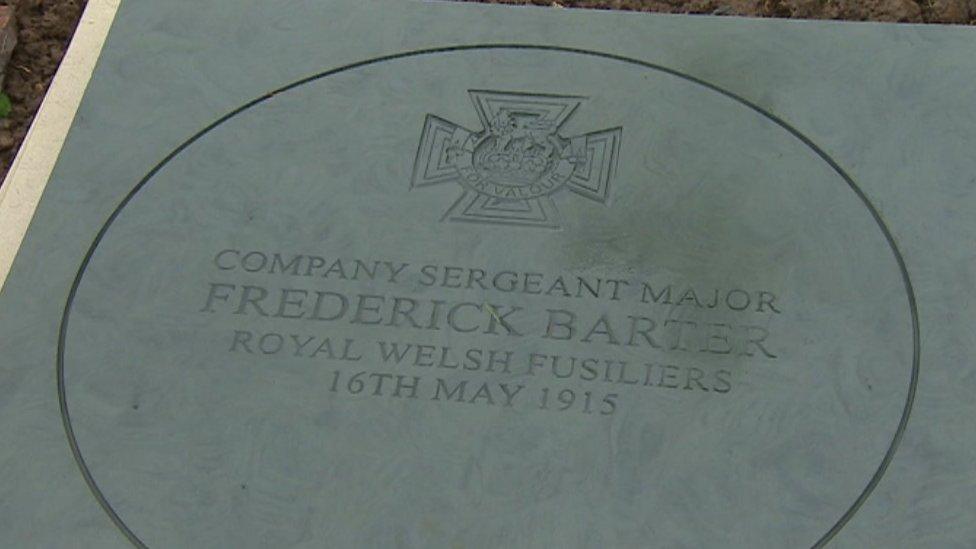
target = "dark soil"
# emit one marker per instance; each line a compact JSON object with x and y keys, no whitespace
{"x":44,"y":30}
{"x":46,"y":26}
{"x":906,"y":11}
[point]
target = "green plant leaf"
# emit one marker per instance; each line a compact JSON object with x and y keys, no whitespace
{"x":5,"y":105}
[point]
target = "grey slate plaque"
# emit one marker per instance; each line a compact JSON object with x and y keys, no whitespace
{"x":402,"y":274}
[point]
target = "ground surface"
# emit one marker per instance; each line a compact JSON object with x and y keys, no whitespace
{"x":46,"y":27}
{"x":914,"y":11}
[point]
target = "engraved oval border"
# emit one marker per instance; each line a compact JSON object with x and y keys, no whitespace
{"x":909,"y":289}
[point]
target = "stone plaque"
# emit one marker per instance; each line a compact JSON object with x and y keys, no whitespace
{"x":508,"y":287}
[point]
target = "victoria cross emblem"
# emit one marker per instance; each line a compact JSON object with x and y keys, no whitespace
{"x":510,"y":170}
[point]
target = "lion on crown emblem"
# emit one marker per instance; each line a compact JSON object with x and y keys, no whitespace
{"x":511,"y":168}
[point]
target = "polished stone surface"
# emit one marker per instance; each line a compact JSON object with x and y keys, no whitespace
{"x":432,"y":275}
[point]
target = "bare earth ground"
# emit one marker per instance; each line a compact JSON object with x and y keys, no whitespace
{"x":906,"y":11}
{"x":44,"y":29}
{"x":46,"y":26}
